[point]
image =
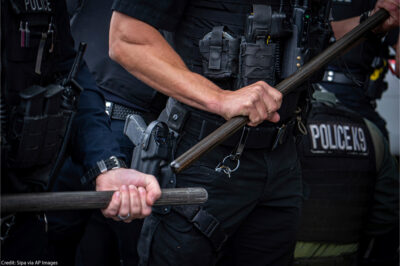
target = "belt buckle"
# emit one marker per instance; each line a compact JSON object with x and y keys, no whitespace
{"x":109,"y":108}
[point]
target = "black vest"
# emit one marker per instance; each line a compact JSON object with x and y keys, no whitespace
{"x":338,"y":164}
{"x":91,"y":24}
{"x":199,"y":19}
{"x":20,"y":59}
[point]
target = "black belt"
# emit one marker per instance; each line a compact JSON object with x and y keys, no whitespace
{"x":258,"y":138}
{"x":343,"y":78}
{"x":119,"y":112}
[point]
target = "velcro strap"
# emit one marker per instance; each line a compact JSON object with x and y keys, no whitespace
{"x":205,"y":222}
{"x":262,"y":20}
{"x":214,"y":61}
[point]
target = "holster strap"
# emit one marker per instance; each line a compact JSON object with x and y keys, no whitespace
{"x":205,"y":222}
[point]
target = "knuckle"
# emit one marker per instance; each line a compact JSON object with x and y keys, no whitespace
{"x":261,"y":83}
{"x":248,"y":103}
{"x":265,"y":116}
{"x":257,"y":88}
{"x":146,"y":212}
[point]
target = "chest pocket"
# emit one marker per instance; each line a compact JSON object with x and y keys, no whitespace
{"x":30,"y":29}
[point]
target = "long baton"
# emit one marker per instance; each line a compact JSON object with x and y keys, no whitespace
{"x":286,"y":86}
{"x":51,"y":201}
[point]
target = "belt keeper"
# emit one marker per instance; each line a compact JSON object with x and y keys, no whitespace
{"x":109,"y":108}
{"x":279,"y":136}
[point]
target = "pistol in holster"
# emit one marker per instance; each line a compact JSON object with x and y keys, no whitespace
{"x":153,"y":145}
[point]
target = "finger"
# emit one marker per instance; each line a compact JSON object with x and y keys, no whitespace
{"x":275,"y":117}
{"x":153,"y":190}
{"x":276,"y":96}
{"x":272,"y":107}
{"x":135,"y":202}
{"x":146,"y":209}
{"x":113,"y":206}
{"x":124,"y":209}
{"x":259,"y":113}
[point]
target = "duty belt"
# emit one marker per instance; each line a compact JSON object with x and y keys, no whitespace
{"x":119,"y":112}
{"x":258,"y":137}
{"x":343,"y":78}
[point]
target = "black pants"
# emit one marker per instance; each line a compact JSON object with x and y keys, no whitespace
{"x":260,"y":203}
{"x":27,"y":240}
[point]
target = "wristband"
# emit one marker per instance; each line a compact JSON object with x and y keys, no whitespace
{"x":101,"y":167}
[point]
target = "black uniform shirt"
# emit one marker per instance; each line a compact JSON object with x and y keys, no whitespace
{"x":164,"y":14}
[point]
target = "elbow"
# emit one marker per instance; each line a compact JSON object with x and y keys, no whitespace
{"x":114,"y":50}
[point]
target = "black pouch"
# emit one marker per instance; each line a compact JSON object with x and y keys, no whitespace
{"x":28,"y":128}
{"x":56,"y":123}
{"x":257,"y":62}
{"x":37,"y":127}
{"x":219,"y":51}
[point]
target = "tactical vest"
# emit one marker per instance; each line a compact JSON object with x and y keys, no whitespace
{"x":338,"y":165}
{"x":37,"y":52}
{"x":235,"y":43}
{"x":90,"y":24}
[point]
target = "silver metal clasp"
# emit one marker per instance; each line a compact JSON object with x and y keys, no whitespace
{"x":116,"y":161}
{"x":222,"y":167}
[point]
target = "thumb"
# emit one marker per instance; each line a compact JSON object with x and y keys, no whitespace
{"x":153,"y":189}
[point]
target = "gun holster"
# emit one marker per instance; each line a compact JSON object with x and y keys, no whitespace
{"x":153,"y":144}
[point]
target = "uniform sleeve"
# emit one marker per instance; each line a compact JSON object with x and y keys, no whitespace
{"x":392,"y":36}
{"x":164,"y":14}
{"x":92,"y":138}
{"x":385,"y":206}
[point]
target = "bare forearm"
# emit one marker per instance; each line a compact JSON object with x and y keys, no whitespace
{"x":142,"y":51}
{"x":153,"y":61}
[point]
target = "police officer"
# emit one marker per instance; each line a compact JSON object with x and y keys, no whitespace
{"x":357,"y":78}
{"x":124,"y":95}
{"x":260,"y":199}
{"x":352,"y":190}
{"x":37,"y":55}
{"x":263,"y":195}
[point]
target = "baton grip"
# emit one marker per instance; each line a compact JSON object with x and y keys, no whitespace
{"x":55,"y":201}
